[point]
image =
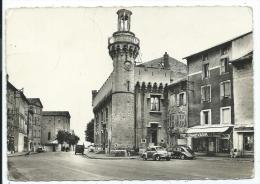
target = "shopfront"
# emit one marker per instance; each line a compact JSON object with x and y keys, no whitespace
{"x":244,"y":141}
{"x":210,"y":140}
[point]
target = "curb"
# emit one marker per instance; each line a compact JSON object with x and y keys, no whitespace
{"x":22,"y":154}
{"x":112,"y":158}
{"x":197,"y":158}
{"x":218,"y":159}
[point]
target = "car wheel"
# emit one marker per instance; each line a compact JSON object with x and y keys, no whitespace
{"x":157,"y":158}
{"x":182,"y":157}
{"x":144,"y":158}
{"x":168,"y":158}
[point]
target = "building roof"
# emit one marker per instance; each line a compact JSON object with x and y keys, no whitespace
{"x":35,"y":101}
{"x":243,"y":58}
{"x":223,"y":43}
{"x":184,"y":79}
{"x":11,"y":86}
{"x":156,"y":63}
{"x":56,"y":113}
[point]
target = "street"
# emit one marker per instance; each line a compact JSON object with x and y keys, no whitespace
{"x":51,"y":166}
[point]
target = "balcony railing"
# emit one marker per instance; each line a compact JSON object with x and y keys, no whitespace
{"x":123,"y":38}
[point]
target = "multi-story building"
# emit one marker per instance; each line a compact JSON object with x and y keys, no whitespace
{"x":35,"y":123}
{"x":12,"y":125}
{"x":17,"y":119}
{"x":130,"y":108}
{"x":211,"y":100}
{"x":242,"y":56}
{"x":52,"y":122}
{"x":177,"y":111}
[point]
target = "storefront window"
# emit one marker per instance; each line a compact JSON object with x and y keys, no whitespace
{"x":249,"y":142}
{"x":200,"y":145}
{"x":224,"y":146}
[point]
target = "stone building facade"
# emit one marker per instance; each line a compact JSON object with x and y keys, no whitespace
{"x":17,"y":119}
{"x":211,"y":99}
{"x":35,"y":106}
{"x":52,"y":122}
{"x":130,"y":108}
{"x":243,"y":87}
{"x":177,"y":112}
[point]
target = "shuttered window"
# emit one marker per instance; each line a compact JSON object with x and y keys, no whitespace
{"x":205,"y":93}
{"x":224,"y":65}
{"x":181,"y":99}
{"x":225,"y":115}
{"x":225,"y":89}
{"x":205,"y":70}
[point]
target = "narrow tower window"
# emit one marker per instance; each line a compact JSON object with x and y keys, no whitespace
{"x":128,"y":85}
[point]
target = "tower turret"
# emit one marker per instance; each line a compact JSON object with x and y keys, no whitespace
{"x":123,"y":48}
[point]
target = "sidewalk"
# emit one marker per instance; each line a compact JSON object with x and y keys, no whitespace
{"x":20,"y":154}
{"x":213,"y":158}
{"x":108,"y":157}
{"x":224,"y":158}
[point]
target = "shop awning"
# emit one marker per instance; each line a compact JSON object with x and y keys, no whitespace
{"x":207,"y":130}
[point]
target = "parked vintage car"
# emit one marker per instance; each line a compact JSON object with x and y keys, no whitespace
{"x":91,"y":148}
{"x":181,"y":152}
{"x":156,"y":153}
{"x":79,"y":149}
{"x":40,"y":150}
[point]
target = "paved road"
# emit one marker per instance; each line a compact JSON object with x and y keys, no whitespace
{"x":67,"y":166}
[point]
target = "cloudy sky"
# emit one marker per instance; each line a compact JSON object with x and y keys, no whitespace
{"x":60,"y":54}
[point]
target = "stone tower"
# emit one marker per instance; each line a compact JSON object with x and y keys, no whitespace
{"x":123,"y":48}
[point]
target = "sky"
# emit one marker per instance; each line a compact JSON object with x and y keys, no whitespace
{"x":60,"y":54}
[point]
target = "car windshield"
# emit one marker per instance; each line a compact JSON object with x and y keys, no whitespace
{"x":188,"y":149}
{"x":160,"y":149}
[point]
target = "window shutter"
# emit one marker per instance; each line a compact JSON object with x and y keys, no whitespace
{"x":202,"y":94}
{"x":221,"y":90}
{"x":173,"y":99}
{"x":209,"y":93}
{"x":184,"y":98}
{"x":201,"y":118}
{"x":152,"y":102}
{"x":178,"y":99}
{"x":227,"y":89}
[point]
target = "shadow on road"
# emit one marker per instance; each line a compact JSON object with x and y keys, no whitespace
{"x":13,"y":173}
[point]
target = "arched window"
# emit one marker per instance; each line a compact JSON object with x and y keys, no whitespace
{"x":49,"y":135}
{"x":155,"y":103}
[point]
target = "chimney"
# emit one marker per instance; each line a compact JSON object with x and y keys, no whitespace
{"x":166,"y":61}
{"x":94,"y":93}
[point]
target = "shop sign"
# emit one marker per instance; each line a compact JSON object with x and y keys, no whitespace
{"x":204,"y":134}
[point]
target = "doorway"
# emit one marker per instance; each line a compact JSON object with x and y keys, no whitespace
{"x":153,"y":134}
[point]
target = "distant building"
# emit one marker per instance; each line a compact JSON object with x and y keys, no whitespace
{"x":130,"y":108}
{"x":243,"y":87}
{"x":177,"y":112}
{"x":211,"y":98}
{"x":52,"y":122}
{"x":35,"y":123}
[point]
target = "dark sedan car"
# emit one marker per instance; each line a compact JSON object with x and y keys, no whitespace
{"x":181,"y":152}
{"x":79,"y":149}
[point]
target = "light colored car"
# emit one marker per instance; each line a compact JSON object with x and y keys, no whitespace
{"x":156,"y":153}
{"x":91,"y":148}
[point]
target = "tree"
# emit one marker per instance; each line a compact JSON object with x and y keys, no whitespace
{"x":65,"y":136}
{"x":89,"y":132}
{"x":73,"y":139}
{"x":61,"y":136}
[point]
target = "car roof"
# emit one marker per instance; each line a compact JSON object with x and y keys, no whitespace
{"x":154,"y":147}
